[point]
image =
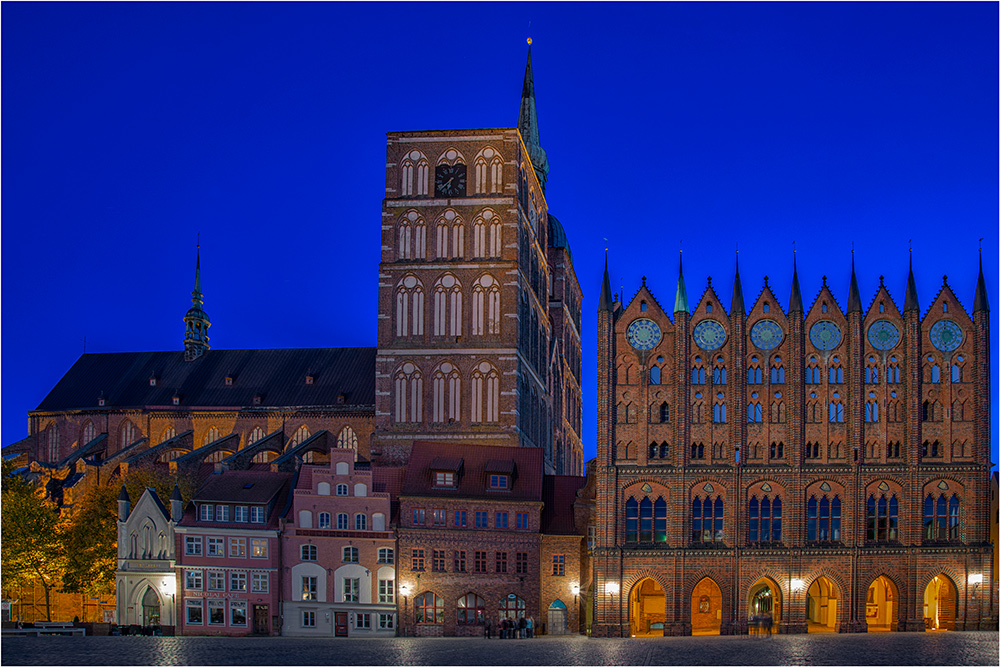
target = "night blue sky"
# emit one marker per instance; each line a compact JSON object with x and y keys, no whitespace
{"x":129,"y":128}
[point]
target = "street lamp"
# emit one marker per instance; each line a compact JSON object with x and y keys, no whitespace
{"x":404,"y":590}
{"x":976,"y":580}
{"x":576,"y":592}
{"x":611,"y":588}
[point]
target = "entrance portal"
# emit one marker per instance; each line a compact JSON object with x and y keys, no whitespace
{"x":150,"y":607}
{"x":646,"y":609}
{"x":764,"y":601}
{"x":940,"y":604}
{"x":557,"y":618}
{"x":706,"y":608}
{"x":882,"y":607}
{"x":821,"y":606}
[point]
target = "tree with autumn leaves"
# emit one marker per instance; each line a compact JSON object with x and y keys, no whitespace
{"x":76,"y":552}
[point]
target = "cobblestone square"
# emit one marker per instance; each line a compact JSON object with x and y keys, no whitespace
{"x":953,"y":648}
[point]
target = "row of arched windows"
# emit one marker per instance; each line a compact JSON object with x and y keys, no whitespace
{"x":447,"y":314}
{"x":449,"y":236}
{"x":414,"y":170}
{"x":646,"y":520}
{"x":446,"y":394}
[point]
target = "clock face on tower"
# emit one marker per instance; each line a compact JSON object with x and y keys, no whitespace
{"x":643,"y":334}
{"x":449,"y":180}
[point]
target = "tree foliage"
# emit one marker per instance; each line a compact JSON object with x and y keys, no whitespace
{"x":33,"y":549}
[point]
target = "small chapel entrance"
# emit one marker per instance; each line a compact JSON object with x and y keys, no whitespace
{"x":646,"y":609}
{"x":150,"y":607}
{"x":882,"y":605}
{"x":706,"y":608}
{"x":821,"y":606}
{"x":557,"y":618}
{"x":765,"y":600}
{"x":940,"y":604}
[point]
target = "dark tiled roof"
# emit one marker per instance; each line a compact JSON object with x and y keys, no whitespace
{"x":558,"y":494}
{"x":476,"y":458}
{"x":227,"y":487}
{"x":446,"y":463}
{"x":278,"y":376}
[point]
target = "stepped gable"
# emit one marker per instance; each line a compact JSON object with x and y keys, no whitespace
{"x":276,"y":375}
{"x":559,"y":494}
{"x":523,"y":464}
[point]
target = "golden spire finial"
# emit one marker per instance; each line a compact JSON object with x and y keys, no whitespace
{"x":529,"y":41}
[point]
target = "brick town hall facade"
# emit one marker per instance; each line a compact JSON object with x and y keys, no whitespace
{"x":826,"y":468}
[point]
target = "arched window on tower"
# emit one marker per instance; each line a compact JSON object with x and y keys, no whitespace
{"x":87,"y":433}
{"x":485,"y":306}
{"x":409,"y":307}
{"x":448,"y":306}
{"x":409,"y":390}
{"x":485,"y":393}
{"x":654,"y":375}
{"x":871,"y":411}
{"x":777,"y":372}
{"x":719,"y":372}
{"x":447,"y":385}
{"x":664,"y":412}
{"x":414,"y":174}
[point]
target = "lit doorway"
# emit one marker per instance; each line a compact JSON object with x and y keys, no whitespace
{"x":150,"y":607}
{"x":706,"y":608}
{"x":821,"y":606}
{"x":940,"y":604}
{"x":765,"y":601}
{"x":646,"y":609}
{"x":882,"y":606}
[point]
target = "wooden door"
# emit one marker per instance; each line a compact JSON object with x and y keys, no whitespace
{"x":340,"y":624}
{"x":260,"y":613}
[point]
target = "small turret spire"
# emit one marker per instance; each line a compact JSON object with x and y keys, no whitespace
{"x":527,"y":125}
{"x":737,"y":306}
{"x":795,"y":301}
{"x":910,"y":301}
{"x":196,"y":322}
{"x":681,"y":300}
{"x":605,"y":302}
{"x":980,"y":302}
{"x":854,"y":297}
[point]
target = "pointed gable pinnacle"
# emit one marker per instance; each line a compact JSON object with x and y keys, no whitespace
{"x":196,"y":322}
{"x":980,"y":302}
{"x":527,"y":125}
{"x":853,"y":298}
{"x":737,"y":305}
{"x":606,"y":303}
{"x":681,"y":300}
{"x":795,"y":300}
{"x":910,"y":302}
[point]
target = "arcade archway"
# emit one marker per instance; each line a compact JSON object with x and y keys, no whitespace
{"x":764,"y":600}
{"x":940,"y":604}
{"x":821,"y":606}
{"x":882,"y":605}
{"x":646,"y":609}
{"x":706,"y":608}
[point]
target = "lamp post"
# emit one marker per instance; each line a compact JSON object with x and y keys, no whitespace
{"x":611,"y":588}
{"x":404,"y":590}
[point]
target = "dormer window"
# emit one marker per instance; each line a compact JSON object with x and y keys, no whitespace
{"x":152,"y":382}
{"x":309,"y":379}
{"x":341,"y":399}
{"x":229,"y":380}
{"x":177,"y":400}
{"x":500,"y":482}
{"x":444,"y":479}
{"x":100,"y":402}
{"x":257,"y":399}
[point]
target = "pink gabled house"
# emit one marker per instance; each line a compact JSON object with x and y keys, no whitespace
{"x":339,"y":552}
{"x":228,"y":555}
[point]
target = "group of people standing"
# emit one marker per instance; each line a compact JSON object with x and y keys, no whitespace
{"x":509,"y":628}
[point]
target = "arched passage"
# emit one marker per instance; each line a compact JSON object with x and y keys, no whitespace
{"x":940,"y":604}
{"x":764,"y":600}
{"x":882,"y":605}
{"x":706,"y":608}
{"x":821,"y":606}
{"x":646,"y":608}
{"x":150,"y":607}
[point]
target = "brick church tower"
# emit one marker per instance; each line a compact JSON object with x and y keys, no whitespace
{"x":478,"y":301}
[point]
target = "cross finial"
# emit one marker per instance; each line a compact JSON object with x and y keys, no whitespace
{"x":765,"y":281}
{"x":881,"y":281}
{"x":793,"y":247}
{"x":911,"y":244}
{"x":824,"y":281}
{"x":644,"y":281}
{"x":710,"y":281}
{"x":944,"y":278}
{"x":605,"y":244}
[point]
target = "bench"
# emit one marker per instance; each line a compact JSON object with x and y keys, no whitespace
{"x":46,"y":628}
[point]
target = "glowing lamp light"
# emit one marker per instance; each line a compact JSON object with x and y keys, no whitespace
{"x":169,"y":586}
{"x":798,"y":584}
{"x":404,"y":589}
{"x":611,"y":588}
{"x":576,"y":589}
{"x":975,"y":579}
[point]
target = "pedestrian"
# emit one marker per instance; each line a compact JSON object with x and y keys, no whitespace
{"x":489,"y":629}
{"x":531,"y":628}
{"x":522,"y":624}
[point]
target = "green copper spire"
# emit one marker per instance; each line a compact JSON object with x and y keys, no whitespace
{"x":527,"y":124}
{"x":737,"y":306}
{"x":196,"y":322}
{"x":795,"y":301}
{"x":605,"y":302}
{"x":681,"y":300}
{"x":980,"y":302}
{"x":853,"y":297}
{"x":910,"y":301}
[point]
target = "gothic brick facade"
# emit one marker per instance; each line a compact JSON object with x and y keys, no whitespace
{"x":826,"y":468}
